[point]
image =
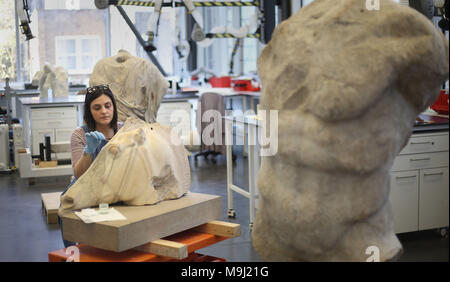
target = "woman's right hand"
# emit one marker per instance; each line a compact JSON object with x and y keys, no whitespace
{"x":93,"y":140}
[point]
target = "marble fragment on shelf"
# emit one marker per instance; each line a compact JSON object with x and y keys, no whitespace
{"x":54,"y":78}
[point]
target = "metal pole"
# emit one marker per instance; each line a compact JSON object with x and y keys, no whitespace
{"x":229,"y":156}
{"x":108,"y":33}
{"x":148,"y":47}
{"x":286,"y":9}
{"x":268,"y":24}
{"x":8,"y":96}
{"x":18,"y":59}
{"x":192,"y":58}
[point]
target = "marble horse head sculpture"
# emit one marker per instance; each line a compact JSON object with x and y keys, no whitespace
{"x":137,"y":84}
{"x":349,"y":82}
{"x":140,"y":165}
{"x":52,"y":78}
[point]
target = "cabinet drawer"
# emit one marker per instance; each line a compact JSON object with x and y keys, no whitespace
{"x":54,"y":113}
{"x":54,"y":123}
{"x":426,"y":144}
{"x":171,"y":106}
{"x":420,"y":161}
{"x":63,"y":134}
{"x":404,"y":198}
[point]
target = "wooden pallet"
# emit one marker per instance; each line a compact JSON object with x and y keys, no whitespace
{"x":50,"y":206}
{"x":177,"y":247}
{"x":172,"y":248}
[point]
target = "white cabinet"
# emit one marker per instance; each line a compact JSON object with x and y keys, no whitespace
{"x":419,"y":183}
{"x":57,"y":122}
{"x":63,"y":134}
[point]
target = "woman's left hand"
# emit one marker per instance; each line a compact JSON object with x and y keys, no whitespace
{"x":93,"y":140}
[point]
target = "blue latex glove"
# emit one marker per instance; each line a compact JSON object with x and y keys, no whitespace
{"x":93,"y":140}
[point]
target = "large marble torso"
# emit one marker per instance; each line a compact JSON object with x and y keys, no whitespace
{"x":140,"y":165}
{"x":348,"y":84}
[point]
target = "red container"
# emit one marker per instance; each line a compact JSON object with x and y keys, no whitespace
{"x":223,"y":81}
{"x":441,"y":104}
{"x":242,"y":84}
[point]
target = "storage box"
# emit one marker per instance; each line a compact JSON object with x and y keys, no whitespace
{"x":243,"y":85}
{"x":441,"y":104}
{"x":144,"y":223}
{"x":221,"y":82}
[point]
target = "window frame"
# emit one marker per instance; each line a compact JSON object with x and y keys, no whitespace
{"x":217,"y":56}
{"x":78,"y":52}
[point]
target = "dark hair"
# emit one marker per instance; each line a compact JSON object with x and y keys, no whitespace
{"x":93,"y":93}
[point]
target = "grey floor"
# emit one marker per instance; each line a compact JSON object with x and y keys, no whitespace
{"x":25,"y":235}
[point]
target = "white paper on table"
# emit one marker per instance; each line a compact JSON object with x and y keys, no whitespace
{"x":92,"y":215}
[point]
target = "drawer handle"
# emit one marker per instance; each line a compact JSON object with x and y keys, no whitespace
{"x":421,"y":143}
{"x":430,"y":174}
{"x":403,"y":177}
{"x":416,"y":160}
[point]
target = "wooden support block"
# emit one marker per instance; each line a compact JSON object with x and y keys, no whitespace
{"x":144,"y":224}
{"x":220,"y":228}
{"x":50,"y":206}
{"x":165,"y":248}
{"x":43,"y":164}
{"x":193,"y":240}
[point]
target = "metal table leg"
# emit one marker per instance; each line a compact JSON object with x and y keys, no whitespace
{"x":251,"y":170}
{"x":229,"y":154}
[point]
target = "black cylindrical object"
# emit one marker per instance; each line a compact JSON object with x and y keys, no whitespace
{"x":41,"y":151}
{"x":48,"y":153}
{"x":268,"y":21}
